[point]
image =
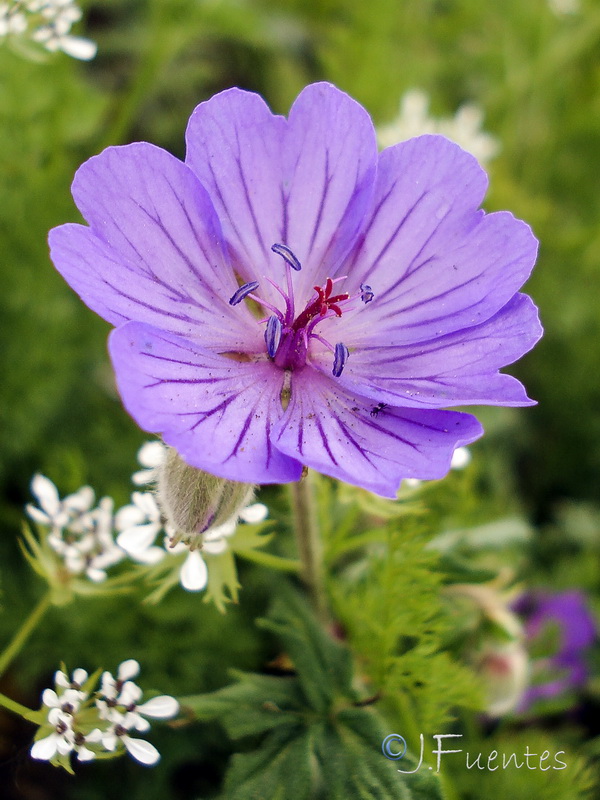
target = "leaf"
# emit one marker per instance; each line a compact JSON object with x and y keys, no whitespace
{"x":324,"y":666}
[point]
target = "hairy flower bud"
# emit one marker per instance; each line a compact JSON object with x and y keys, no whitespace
{"x":193,"y":501}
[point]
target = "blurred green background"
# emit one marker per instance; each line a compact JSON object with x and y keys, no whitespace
{"x":535,"y":73}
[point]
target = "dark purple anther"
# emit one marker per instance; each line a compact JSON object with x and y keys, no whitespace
{"x":341,"y":356}
{"x":285,"y":252}
{"x":366,"y":293}
{"x":243,"y":292}
{"x":273,"y":335}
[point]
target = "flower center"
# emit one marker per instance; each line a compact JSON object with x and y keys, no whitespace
{"x":287,"y":335}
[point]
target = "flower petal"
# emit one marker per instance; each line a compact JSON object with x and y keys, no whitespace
{"x":161,"y":707}
{"x":216,"y":411}
{"x":435,"y":263}
{"x":138,"y":539}
{"x":304,"y":183}
{"x":194,"y":573}
{"x":46,"y":493}
{"x":457,"y":369}
{"x":141,"y":750}
{"x":45,"y":749}
{"x":128,"y":669}
{"x":257,"y":512}
{"x":340,"y":436}
{"x":153,"y":251}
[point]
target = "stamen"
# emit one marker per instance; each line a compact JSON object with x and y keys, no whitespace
{"x":284,"y":251}
{"x":366,"y":293}
{"x":341,"y":356}
{"x":273,"y":335}
{"x":243,"y":292}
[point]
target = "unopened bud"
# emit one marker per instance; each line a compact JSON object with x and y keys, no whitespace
{"x":194,"y":501}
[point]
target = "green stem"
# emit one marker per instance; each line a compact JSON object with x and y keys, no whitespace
{"x":25,"y":631}
{"x":310,"y":547}
{"x":17,"y":708}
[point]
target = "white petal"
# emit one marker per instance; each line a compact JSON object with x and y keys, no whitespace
{"x":63,"y":745}
{"x":135,"y":540}
{"x":47,"y":493}
{"x":75,"y":46}
{"x":109,"y":741}
{"x":128,"y":517}
{"x":44,"y":749}
{"x":95,"y":575}
{"x":254,"y":513}
{"x":84,"y":754}
{"x":460,"y":458}
{"x":50,"y":698}
{"x":37,"y":516}
{"x":161,"y":707}
{"x":139,"y":723}
{"x":151,"y":454}
{"x":128,"y":669}
{"x":94,"y":736}
{"x":194,"y":573}
{"x":80,"y":676}
{"x":141,"y":750}
{"x":61,"y":679}
{"x":215,"y":548}
{"x":130,"y":693}
{"x":81,"y":500}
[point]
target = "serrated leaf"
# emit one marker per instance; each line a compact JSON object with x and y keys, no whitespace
{"x":324,"y":666}
{"x":280,"y":768}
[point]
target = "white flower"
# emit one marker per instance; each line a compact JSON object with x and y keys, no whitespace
{"x":53,"y":511}
{"x":48,"y":23}
{"x":119,"y":704}
{"x":80,"y":535}
{"x":139,"y":524}
{"x":150,"y":455}
{"x":464,"y":128}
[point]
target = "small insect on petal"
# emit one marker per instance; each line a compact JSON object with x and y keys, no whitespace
{"x":243,"y":292}
{"x":285,"y":252}
{"x":341,"y":356}
{"x":273,"y":335}
{"x":366,"y":293}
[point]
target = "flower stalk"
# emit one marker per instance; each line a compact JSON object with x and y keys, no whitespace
{"x":27,"y":628}
{"x":310,"y":549}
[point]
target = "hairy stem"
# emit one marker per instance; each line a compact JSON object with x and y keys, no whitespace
{"x":310,"y":548}
{"x":27,"y":628}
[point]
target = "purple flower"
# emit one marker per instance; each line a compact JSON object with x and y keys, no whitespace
{"x":569,"y":614}
{"x":290,"y":297}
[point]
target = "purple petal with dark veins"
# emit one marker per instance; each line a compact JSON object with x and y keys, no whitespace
{"x":337,"y":434}
{"x":153,"y":251}
{"x":217,"y":412}
{"x":457,"y":369}
{"x":305,"y":183}
{"x":435,"y":263}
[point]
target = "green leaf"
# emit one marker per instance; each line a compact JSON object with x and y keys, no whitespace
{"x":280,"y":768}
{"x":324,"y":666}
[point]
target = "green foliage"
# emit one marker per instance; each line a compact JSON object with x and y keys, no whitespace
{"x":306,"y":734}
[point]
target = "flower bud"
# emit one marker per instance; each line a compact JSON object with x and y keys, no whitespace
{"x":193,"y":501}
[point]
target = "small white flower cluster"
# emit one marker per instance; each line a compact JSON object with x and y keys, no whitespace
{"x":80,"y":534}
{"x":88,"y":723}
{"x":464,"y":128}
{"x":47,"y":23}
